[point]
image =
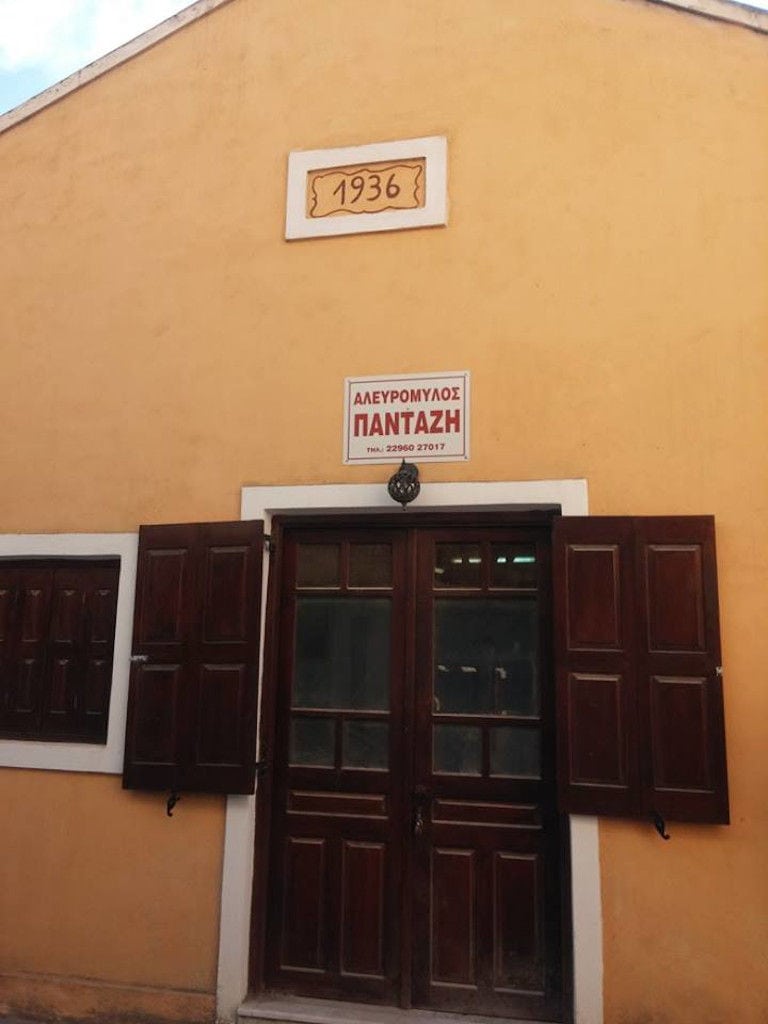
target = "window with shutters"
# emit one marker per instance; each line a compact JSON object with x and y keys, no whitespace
{"x":57,"y":632}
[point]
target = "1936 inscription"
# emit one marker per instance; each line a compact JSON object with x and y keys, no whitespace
{"x":371,"y":188}
{"x":357,"y":186}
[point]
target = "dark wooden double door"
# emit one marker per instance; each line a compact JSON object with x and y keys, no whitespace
{"x":416,"y":852}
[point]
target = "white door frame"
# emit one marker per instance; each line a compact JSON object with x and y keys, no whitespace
{"x":237,"y":871}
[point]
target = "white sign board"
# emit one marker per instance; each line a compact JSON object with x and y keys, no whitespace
{"x":421,"y":418}
{"x":382,"y":186}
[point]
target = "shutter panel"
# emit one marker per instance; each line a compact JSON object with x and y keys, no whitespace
{"x":596,"y":683}
{"x":681,"y":698}
{"x":223,"y":742}
{"x":81,"y":643}
{"x":9,"y":592}
{"x":637,"y":649}
{"x":65,"y":653}
{"x":26,"y":661}
{"x":98,"y":650}
{"x":192,"y":702}
{"x":163,"y":627}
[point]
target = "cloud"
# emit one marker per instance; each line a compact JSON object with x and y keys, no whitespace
{"x":60,"y":36}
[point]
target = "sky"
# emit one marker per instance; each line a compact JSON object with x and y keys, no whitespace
{"x":43,"y":41}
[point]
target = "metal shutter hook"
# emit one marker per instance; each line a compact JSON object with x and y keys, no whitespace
{"x":660,"y":825}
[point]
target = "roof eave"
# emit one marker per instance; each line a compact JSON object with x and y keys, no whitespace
{"x":722,"y":10}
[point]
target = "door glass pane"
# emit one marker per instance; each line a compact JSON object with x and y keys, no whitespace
{"x":516,"y":751}
{"x":457,"y":749}
{"x":514,"y":565}
{"x":486,"y":656}
{"x":366,"y":745}
{"x":342,"y":653}
{"x":370,"y":565}
{"x":318,"y":565}
{"x":458,"y":565}
{"x":312,"y":741}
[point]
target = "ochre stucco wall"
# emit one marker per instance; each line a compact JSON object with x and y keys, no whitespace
{"x":98,"y":883}
{"x":603,"y":276}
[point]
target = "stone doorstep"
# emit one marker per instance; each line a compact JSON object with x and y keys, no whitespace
{"x":275,"y":1009}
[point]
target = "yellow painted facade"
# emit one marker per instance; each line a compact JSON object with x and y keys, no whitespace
{"x":604,"y":277}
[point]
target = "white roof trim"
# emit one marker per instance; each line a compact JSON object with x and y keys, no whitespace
{"x":723,"y":10}
{"x":111,"y":60}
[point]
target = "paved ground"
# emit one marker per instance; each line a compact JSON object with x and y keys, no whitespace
{"x":11,"y":1019}
{"x":17,"y":1020}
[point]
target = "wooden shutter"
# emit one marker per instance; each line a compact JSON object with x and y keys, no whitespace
{"x":194,"y":673}
{"x":81,"y":638}
{"x":637,"y":649}
{"x":7,"y":616}
{"x":9,"y":591}
{"x":596,"y":682}
{"x":26,"y":599}
{"x":57,"y":627}
{"x":681,"y":699}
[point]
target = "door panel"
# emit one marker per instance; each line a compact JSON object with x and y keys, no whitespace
{"x":305,"y":873}
{"x":337,"y":823}
{"x":363,"y":908}
{"x":416,"y":846}
{"x":486,"y":852}
{"x":517,"y":961}
{"x":453,"y":935}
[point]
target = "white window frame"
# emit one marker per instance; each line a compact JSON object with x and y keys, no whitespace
{"x":237,"y":872}
{"x":83,"y":757}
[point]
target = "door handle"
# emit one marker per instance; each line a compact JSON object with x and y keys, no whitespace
{"x":139,"y":659}
{"x":420,"y":800}
{"x":418,"y":822}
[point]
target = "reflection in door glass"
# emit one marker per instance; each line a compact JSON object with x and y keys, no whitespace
{"x":318,"y":565}
{"x":486,"y":657}
{"x":370,"y":565}
{"x":458,"y":565}
{"x":515,"y":752}
{"x":312,"y":741}
{"x":514,"y":565}
{"x":457,"y":749}
{"x":342,"y":653}
{"x":365,"y":744}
